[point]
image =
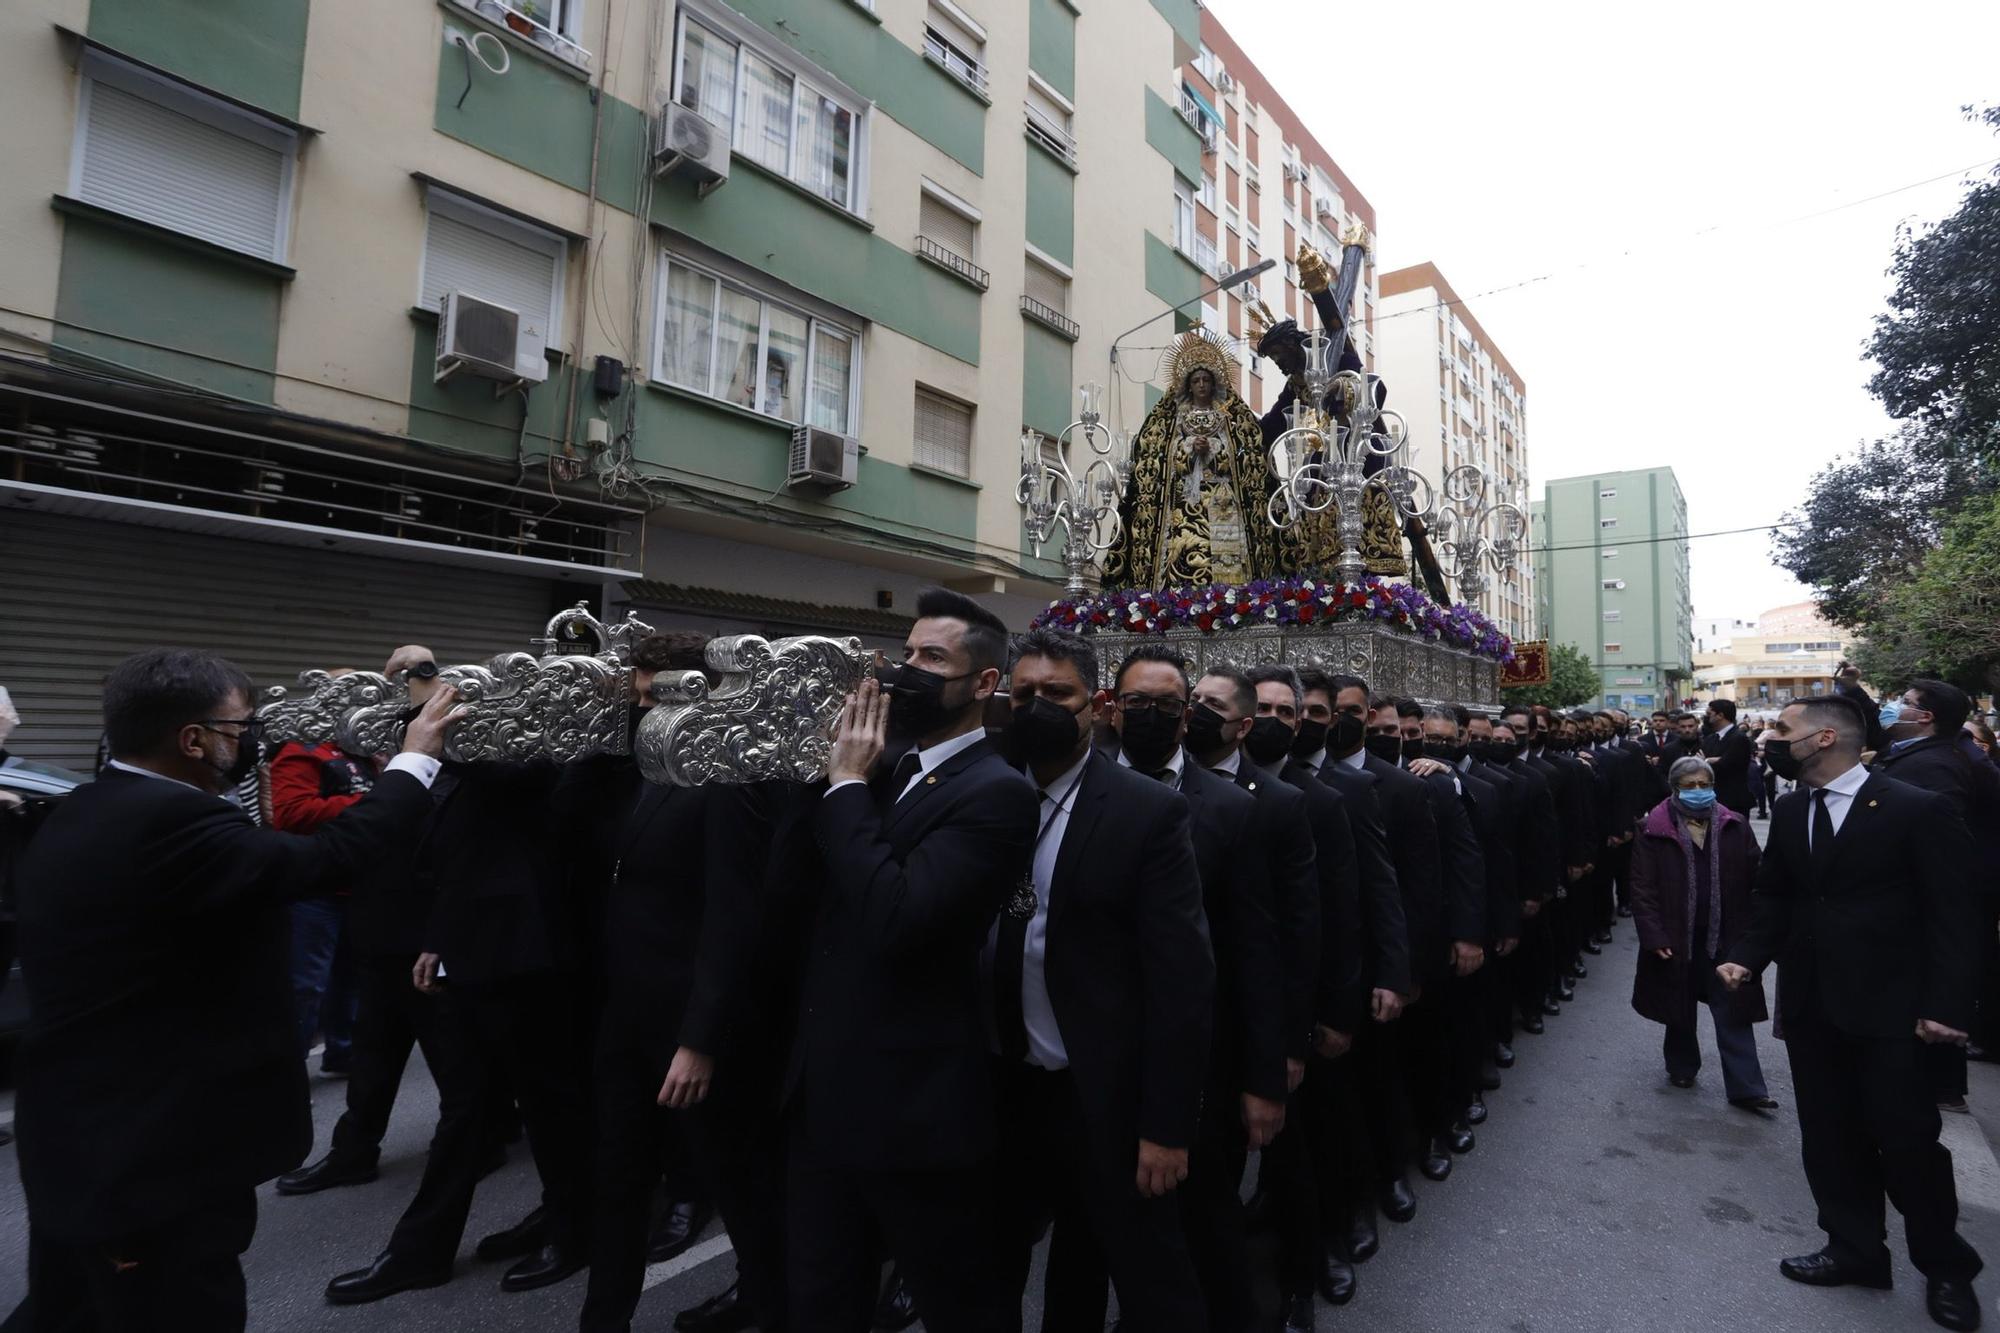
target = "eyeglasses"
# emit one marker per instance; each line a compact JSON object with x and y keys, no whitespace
{"x":422,"y":671}
{"x":1164,"y":705}
{"x":253,"y":727}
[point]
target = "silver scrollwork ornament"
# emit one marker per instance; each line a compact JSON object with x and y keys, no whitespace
{"x":770,"y":718}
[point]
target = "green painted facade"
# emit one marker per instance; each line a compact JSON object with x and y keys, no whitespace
{"x":850,"y":43}
{"x":1051,"y":206}
{"x":1170,"y":275}
{"x":1176,"y":140}
{"x":1184,"y":17}
{"x":464,"y":414}
{"x":125,"y":297}
{"x":1046,"y":378}
{"x":1052,"y":44}
{"x":251,"y":50}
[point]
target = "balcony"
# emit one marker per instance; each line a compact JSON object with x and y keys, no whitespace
{"x":952,"y":262}
{"x":528,"y":20}
{"x":1049,"y":317}
{"x":1050,"y":135}
{"x":954,"y":62}
{"x":1198,"y":118}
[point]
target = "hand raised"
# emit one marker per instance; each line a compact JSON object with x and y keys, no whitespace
{"x":425,"y":734}
{"x":863,"y":734}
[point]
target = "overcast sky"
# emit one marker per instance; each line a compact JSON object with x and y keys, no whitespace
{"x":1657,"y":164}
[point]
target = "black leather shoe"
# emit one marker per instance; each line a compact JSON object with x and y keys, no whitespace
{"x":1821,"y":1269}
{"x":1624,"y":911}
{"x":1336,"y":1278}
{"x":326,"y":1173}
{"x":385,"y":1277}
{"x":1566,"y":992}
{"x":1681,"y":1080}
{"x":1398,"y":1203}
{"x":544,"y":1268}
{"x":1503,"y":1055}
{"x":897,"y":1309}
{"x":1436,"y":1162}
{"x":1475,"y":1114}
{"x":679,"y":1227}
{"x":727,"y":1311}
{"x":1758,"y":1104}
{"x":1601,"y":937}
{"x":1591,"y":947}
{"x":1299,"y":1313}
{"x":1578,"y":972}
{"x":1460,"y":1138}
{"x":1533,"y":1024}
{"x":1362,"y":1238}
{"x":1489,"y":1081}
{"x":1952,"y":1304}
{"x":524,"y":1237}
{"x":724,"y":1312}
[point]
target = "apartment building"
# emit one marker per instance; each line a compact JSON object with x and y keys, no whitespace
{"x":1261,"y":184}
{"x":1612,"y":578}
{"x":329,"y":327}
{"x":1465,"y":406}
{"x":1788,"y":652}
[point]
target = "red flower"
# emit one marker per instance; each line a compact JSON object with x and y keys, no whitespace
{"x":1306,"y":610}
{"x":1357,"y":598}
{"x":1243,"y":608}
{"x":1206,"y":621}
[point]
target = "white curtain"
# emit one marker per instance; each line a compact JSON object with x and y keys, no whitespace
{"x":708,"y":75}
{"x":784,"y":364}
{"x":826,"y":146}
{"x":736,"y":347}
{"x":833,"y":370}
{"x":764,"y":123}
{"x":690,"y":329}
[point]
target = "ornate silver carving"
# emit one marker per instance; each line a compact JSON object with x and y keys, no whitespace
{"x":315,"y":710}
{"x":771,"y":717}
{"x":1391,"y":661}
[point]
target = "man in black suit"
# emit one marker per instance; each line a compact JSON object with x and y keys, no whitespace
{"x":160,"y":1079}
{"x":1536,"y":731}
{"x":1103,"y":1001}
{"x":1920,"y":730}
{"x":1525,"y":976}
{"x":1862,"y":901}
{"x":1728,"y":752}
{"x":503,"y":940}
{"x":890,"y":1090}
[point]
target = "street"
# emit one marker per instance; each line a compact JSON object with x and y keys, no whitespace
{"x":1598,"y":1198}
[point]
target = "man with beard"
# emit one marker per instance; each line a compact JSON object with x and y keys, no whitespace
{"x":890,"y":1093}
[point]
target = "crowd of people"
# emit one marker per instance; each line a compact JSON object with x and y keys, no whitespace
{"x":1054,"y":946}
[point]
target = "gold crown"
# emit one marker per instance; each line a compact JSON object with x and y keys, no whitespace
{"x":1198,"y":349}
{"x":1313,"y":273}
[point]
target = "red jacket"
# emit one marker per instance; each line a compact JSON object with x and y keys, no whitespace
{"x":310,"y":784}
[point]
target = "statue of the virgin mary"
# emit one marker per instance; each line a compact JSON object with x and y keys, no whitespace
{"x":1194,"y":510}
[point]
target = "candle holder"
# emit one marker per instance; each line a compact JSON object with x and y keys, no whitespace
{"x":1052,"y":493}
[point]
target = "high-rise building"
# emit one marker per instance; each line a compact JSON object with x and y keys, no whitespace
{"x":1465,"y":406}
{"x":329,"y":327}
{"x":1612,"y":558}
{"x":1261,"y":184}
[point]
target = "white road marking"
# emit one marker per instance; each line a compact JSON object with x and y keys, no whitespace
{"x":719,"y":1246}
{"x":1972,"y":1162}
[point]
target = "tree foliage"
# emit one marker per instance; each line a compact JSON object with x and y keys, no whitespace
{"x":1942,"y":620}
{"x":1573,"y":680}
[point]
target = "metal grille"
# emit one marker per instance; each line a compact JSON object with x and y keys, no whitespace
{"x":943,"y":435}
{"x":1047,"y":286}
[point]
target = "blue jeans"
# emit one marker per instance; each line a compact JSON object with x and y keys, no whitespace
{"x":323,"y":990}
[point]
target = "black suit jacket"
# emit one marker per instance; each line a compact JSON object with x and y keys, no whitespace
{"x":1287,"y":844}
{"x":502,"y":904}
{"x":890,"y":1069}
{"x":1729,"y":756}
{"x":1462,"y":865}
{"x":1541,"y":834}
{"x":1490,"y":805}
{"x":161,"y":1060}
{"x":1875,"y":931}
{"x":1575,"y":792}
{"x":1414,"y":846}
{"x":1340,"y":995}
{"x":1129,"y":968}
{"x":1385,"y":952}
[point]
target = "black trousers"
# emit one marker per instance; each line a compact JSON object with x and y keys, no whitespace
{"x":1049,"y":1174}
{"x":184,"y":1274}
{"x":1426,"y":1032}
{"x":518,"y":1034}
{"x":1869,"y":1127}
{"x":1313,"y":1170}
{"x":731,"y":1141}
{"x":393,"y":1017}
{"x":937,"y":1224}
{"x":1987,"y":1030}
{"x":1384,"y":1099}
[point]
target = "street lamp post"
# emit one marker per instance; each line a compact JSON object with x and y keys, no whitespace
{"x":1052,"y":493}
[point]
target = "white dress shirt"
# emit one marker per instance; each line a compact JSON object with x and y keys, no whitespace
{"x":928,"y":758}
{"x":419,"y":766}
{"x":1229,"y":766}
{"x":1359,"y":759}
{"x":1315,"y":761}
{"x":1176,"y":764}
{"x":1839,"y":799}
{"x":1045,"y":1043}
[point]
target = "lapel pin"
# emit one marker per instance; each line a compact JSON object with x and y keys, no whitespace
{"x":931,"y":780}
{"x":1871,"y":805}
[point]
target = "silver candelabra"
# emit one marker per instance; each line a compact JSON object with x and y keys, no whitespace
{"x":1477,"y":530}
{"x":1051,"y":492}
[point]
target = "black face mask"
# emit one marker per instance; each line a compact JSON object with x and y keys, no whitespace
{"x":916,"y":698}
{"x":249,"y":754}
{"x":1311,"y":740}
{"x":1503,"y":752}
{"x":1042,"y":730}
{"x":1386,"y":748}
{"x":1269,"y":741}
{"x":1345,"y":735}
{"x":1443,"y":751}
{"x":1778,"y":757}
{"x":1412,"y":747}
{"x":1204,"y":729}
{"x":1148,"y":737}
{"x":1480,"y":750}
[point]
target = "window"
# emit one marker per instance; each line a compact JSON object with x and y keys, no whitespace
{"x":1608,"y":494}
{"x":1614,"y":615}
{"x":714,"y":334}
{"x":154,"y":150}
{"x":1206,"y":194}
{"x":1049,"y":120}
{"x":788,"y":121}
{"x":1254,"y":241}
{"x":943,"y":434}
{"x":956,"y":44}
{"x":1183,"y":217}
{"x":1607,"y":522}
{"x":1611,"y":648}
{"x":1250,"y":177}
{"x":1046,"y":286}
{"x":471,"y":249}
{"x":948,"y":234}
{"x":1614,"y":585}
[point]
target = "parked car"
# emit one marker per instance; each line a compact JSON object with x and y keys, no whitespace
{"x":39,"y":785}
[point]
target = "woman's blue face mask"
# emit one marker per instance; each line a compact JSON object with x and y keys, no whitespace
{"x":1696,"y":800}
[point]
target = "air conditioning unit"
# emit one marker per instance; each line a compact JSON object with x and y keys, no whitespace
{"x":1224,"y":81}
{"x":823,"y":460}
{"x":1324,"y":208}
{"x":489,"y":340}
{"x":686,"y":140}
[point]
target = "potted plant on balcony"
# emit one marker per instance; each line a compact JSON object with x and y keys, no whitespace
{"x":526,"y":15}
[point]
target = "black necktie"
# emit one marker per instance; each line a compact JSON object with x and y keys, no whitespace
{"x":1160,"y":774}
{"x":1009,"y":950}
{"x":1822,"y":827}
{"x":906,"y":768}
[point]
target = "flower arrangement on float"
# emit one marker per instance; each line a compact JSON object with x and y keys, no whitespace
{"x":1297,"y":600}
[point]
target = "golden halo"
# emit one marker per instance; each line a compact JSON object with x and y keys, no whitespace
{"x":1199,"y":349}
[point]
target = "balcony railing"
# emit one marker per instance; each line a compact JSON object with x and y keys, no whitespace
{"x":1051,"y":317}
{"x":1199,"y":120}
{"x":528,"y":19}
{"x":1050,"y":135}
{"x":952,"y":262}
{"x":955,"y":62}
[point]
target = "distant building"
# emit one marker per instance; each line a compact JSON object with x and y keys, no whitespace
{"x":1789,"y":652}
{"x":1714,"y":633}
{"x":1612,"y":569}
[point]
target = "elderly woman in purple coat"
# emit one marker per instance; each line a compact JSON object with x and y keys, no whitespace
{"x":1692,"y":870}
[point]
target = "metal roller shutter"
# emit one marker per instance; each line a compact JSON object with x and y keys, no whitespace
{"x":78,"y":595}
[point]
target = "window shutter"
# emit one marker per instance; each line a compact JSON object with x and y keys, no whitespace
{"x":151,"y":162}
{"x":1048,"y":107}
{"x":1046,"y":285}
{"x":947,"y":226}
{"x":460,"y":257}
{"x":943,"y":435}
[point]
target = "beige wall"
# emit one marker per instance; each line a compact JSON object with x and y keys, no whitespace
{"x":37,"y":125}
